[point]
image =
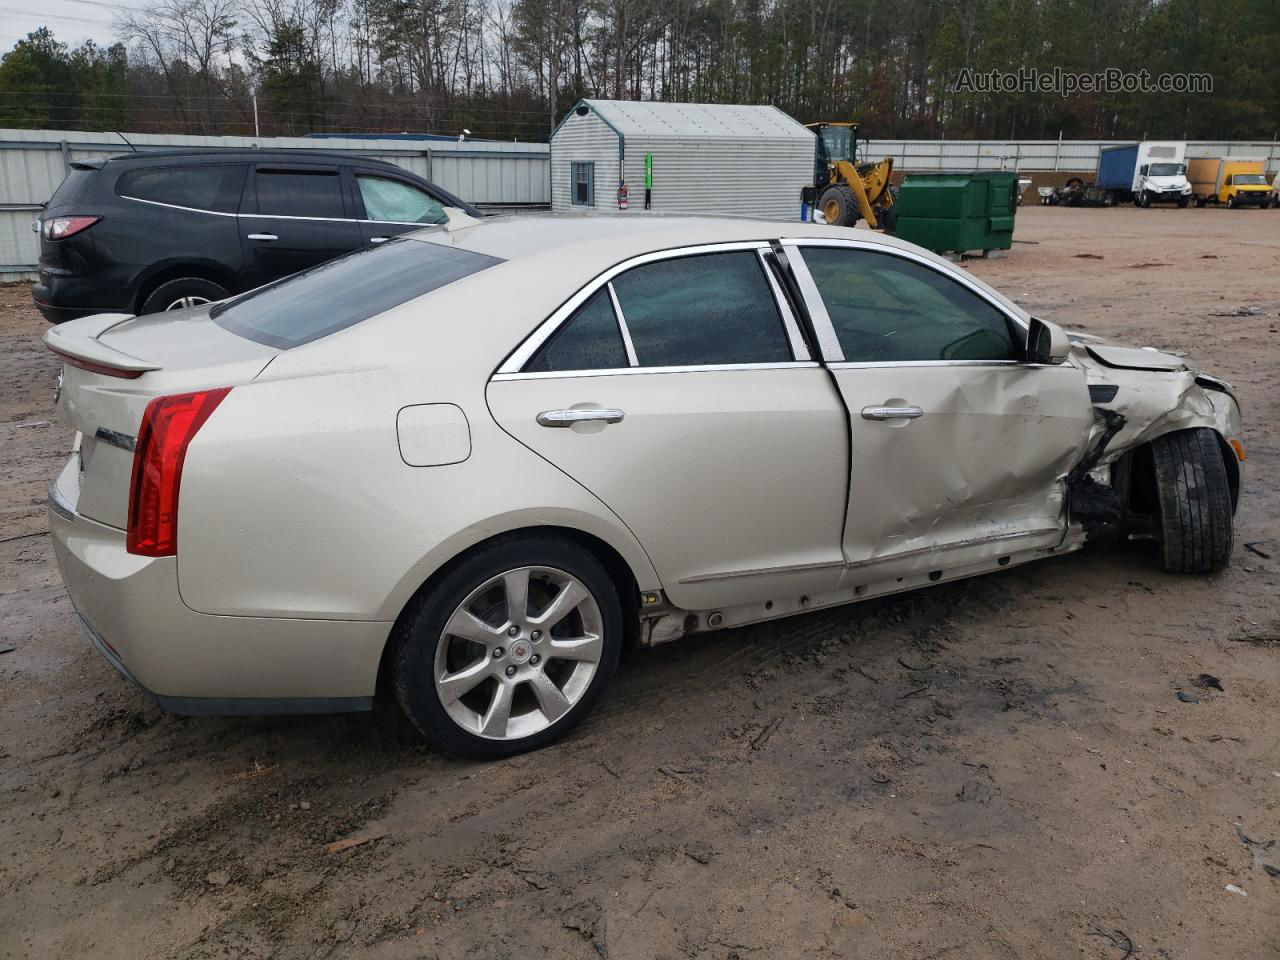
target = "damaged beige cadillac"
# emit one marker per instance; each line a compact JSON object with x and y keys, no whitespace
{"x":468,"y":469}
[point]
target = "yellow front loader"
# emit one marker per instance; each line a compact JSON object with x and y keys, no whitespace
{"x":845,"y":189}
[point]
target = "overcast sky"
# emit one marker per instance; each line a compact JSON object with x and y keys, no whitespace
{"x":72,"y":21}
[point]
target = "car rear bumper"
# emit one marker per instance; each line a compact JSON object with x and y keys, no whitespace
{"x":194,"y":663}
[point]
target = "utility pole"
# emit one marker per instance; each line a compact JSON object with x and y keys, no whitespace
{"x":255,"y":115}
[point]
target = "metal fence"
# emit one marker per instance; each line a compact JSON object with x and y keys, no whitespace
{"x":489,"y":173}
{"x":1068,"y":156}
{"x":33,"y":163}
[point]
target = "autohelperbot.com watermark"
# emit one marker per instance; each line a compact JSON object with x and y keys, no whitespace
{"x":1065,"y":83}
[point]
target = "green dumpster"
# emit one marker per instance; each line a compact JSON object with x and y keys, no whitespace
{"x":958,"y":212}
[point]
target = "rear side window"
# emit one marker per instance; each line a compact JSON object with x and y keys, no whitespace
{"x":213,"y":187}
{"x":713,"y":308}
{"x":588,"y":340}
{"x":346,"y":291}
{"x":300,"y":193}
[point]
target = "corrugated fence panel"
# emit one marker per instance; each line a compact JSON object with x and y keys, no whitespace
{"x":1068,"y":156}
{"x":34,"y":162}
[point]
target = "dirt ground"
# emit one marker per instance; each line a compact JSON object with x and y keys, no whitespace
{"x":999,"y":768}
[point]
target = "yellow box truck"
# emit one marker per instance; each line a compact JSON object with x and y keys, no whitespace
{"x":1235,"y":181}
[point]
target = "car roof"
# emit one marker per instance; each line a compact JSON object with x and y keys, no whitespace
{"x":618,"y":236}
{"x":585,"y":244}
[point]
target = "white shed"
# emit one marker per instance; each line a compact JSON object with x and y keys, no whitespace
{"x":706,"y":158}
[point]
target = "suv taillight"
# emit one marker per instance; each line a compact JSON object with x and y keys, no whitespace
{"x":168,"y":427}
{"x":59,"y":228}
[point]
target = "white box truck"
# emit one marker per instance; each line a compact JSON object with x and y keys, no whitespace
{"x":1154,"y":171}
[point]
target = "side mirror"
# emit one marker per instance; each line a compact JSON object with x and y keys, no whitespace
{"x":1046,"y":343}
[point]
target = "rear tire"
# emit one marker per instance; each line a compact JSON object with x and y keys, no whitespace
{"x":433,"y":666}
{"x":1193,"y":501}
{"x":837,"y":201}
{"x":183,"y":292}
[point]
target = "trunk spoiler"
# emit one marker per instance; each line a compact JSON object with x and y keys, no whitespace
{"x":78,"y":344}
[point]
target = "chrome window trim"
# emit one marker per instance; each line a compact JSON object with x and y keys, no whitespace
{"x":281,"y":216}
{"x":823,"y":328}
{"x":522,"y":354}
{"x":626,"y":371}
{"x":860,"y":364}
{"x":620,"y":319}
{"x":809,"y":289}
{"x":175,"y":206}
{"x":799,"y":349}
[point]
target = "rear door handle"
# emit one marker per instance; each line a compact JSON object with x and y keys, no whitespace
{"x":892,"y":413}
{"x":567,"y":418}
{"x":263,"y":236}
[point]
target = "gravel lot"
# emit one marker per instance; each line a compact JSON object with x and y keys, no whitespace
{"x":993,"y":769}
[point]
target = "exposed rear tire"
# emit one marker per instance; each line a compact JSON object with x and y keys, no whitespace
{"x":838,"y":202}
{"x":1193,"y":501}
{"x":183,"y":292}
{"x":536,"y":684}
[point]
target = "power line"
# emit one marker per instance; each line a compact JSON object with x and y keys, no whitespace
{"x":56,"y":16}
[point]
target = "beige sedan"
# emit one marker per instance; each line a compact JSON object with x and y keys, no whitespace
{"x":480,"y":463}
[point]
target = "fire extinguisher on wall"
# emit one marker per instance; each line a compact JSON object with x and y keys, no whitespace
{"x":622,"y":195}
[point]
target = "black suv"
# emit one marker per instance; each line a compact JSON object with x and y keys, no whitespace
{"x":146,"y":232}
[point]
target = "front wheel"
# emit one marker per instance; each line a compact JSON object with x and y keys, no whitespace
{"x":510,"y":650}
{"x":838,"y":206}
{"x":1182,"y":202}
{"x":1193,"y":501}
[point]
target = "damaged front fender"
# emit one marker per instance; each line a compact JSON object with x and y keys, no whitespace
{"x":1139,"y":395}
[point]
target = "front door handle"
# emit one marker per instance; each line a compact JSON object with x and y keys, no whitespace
{"x":263,"y":236}
{"x":379,"y":239}
{"x":567,"y":418}
{"x":892,"y":413}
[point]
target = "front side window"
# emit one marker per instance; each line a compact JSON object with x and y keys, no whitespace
{"x":588,"y":340}
{"x":714,"y":308}
{"x":213,"y":187}
{"x":582,"y":184}
{"x":300,"y":193}
{"x":889,"y":309}
{"x":397,"y":202}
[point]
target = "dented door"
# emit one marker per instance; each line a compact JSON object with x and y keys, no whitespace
{"x":959,"y":450}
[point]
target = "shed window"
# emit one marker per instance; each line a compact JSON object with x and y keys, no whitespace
{"x":582,"y":184}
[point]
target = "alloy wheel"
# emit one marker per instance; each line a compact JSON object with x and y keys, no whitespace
{"x":183,"y":303}
{"x":518,"y":653}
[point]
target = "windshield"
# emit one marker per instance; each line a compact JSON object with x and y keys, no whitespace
{"x":1249,"y":179}
{"x":346,"y":291}
{"x":1165,"y":170}
{"x":838,"y":142}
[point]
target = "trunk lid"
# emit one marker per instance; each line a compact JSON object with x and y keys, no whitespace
{"x":147,"y":357}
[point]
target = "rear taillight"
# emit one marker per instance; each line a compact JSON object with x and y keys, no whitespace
{"x":168,"y":427}
{"x":59,"y":228}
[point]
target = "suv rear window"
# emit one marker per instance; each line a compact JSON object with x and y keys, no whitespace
{"x":346,"y":291}
{"x":213,"y":187}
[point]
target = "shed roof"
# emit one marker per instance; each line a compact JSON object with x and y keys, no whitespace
{"x":698,"y":120}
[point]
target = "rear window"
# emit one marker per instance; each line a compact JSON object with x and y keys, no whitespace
{"x":71,"y":186}
{"x":206,"y":187}
{"x":346,"y":291}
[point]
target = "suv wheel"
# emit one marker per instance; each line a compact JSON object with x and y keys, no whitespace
{"x":510,"y":650}
{"x":182,"y":293}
